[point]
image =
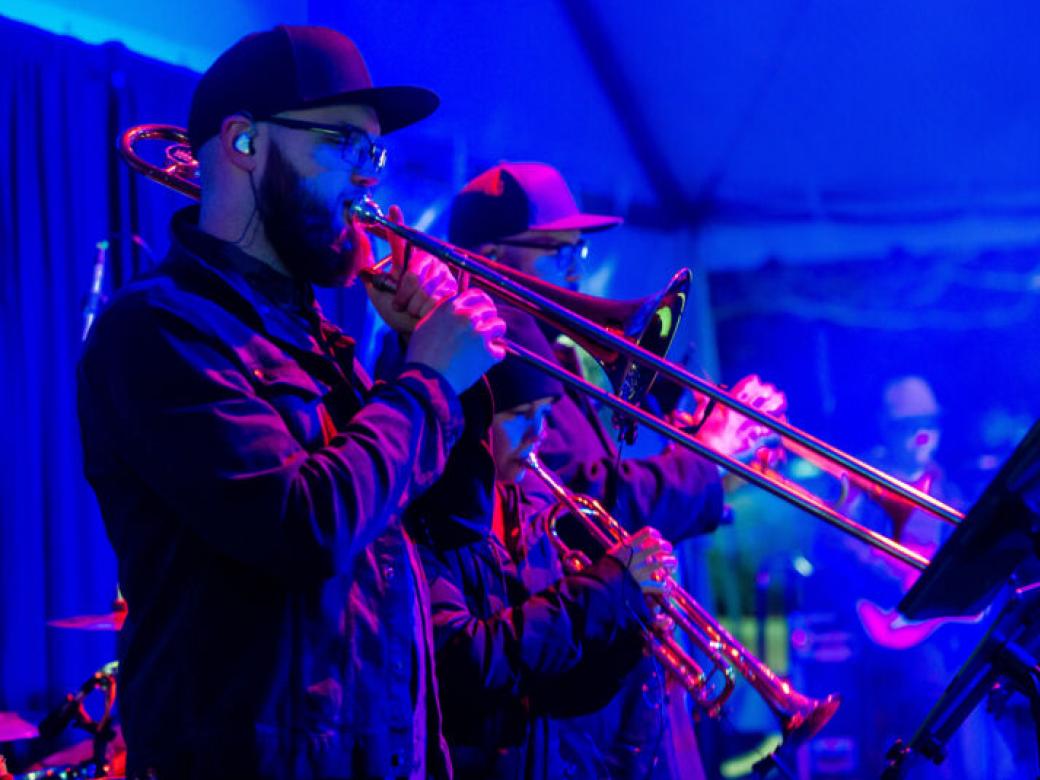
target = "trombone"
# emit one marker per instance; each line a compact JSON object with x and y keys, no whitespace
{"x":800,"y":717}
{"x":634,"y":358}
{"x":520,"y":290}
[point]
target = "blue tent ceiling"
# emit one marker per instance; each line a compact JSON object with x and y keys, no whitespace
{"x":514,"y":80}
{"x":706,"y":114}
{"x":792,"y":107}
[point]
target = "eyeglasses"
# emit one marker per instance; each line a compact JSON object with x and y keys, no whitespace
{"x":364,"y":154}
{"x":567,"y":255}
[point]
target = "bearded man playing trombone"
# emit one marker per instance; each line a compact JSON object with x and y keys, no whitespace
{"x":250,"y":478}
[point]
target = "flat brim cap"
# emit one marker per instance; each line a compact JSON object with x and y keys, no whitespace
{"x":514,"y":198}
{"x":290,"y":68}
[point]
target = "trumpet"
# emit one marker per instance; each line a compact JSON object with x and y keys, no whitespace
{"x":800,"y":716}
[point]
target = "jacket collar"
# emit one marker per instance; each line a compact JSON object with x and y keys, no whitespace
{"x":280,"y":306}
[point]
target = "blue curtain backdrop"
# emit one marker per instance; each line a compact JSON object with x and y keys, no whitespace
{"x":64,"y":189}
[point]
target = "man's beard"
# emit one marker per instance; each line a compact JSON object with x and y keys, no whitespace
{"x":301,"y":228}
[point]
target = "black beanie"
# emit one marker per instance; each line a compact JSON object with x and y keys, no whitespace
{"x":513,"y":382}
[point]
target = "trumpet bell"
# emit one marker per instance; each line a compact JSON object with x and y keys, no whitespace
{"x":806,"y":720}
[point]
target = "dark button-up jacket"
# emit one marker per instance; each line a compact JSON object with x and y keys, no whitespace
{"x":252,"y":485}
{"x":517,"y":644}
{"x":680,"y":494}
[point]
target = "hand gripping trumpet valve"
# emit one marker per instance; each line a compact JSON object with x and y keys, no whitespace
{"x":800,"y":717}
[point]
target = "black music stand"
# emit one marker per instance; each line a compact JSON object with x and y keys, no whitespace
{"x":999,"y":533}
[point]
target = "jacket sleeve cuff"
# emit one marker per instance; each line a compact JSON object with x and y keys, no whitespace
{"x":429,"y":384}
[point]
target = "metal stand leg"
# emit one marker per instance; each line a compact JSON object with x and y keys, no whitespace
{"x":1000,"y":654}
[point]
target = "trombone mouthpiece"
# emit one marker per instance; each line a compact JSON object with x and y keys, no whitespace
{"x":366,"y":209}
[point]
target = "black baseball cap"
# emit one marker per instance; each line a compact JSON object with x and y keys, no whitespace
{"x":517,"y":197}
{"x":294,"y":67}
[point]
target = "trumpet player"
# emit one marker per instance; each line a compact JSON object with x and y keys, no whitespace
{"x":524,"y":215}
{"x":250,"y":478}
{"x":518,"y":643}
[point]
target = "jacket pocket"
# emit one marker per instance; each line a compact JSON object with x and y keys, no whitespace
{"x":298,"y":755}
{"x":298,"y":398}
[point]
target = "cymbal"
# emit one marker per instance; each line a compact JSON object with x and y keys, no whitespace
{"x":13,"y":726}
{"x":110,"y":621}
{"x":83,"y":750}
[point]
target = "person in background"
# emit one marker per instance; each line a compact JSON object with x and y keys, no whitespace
{"x":524,"y":216}
{"x":911,"y":662}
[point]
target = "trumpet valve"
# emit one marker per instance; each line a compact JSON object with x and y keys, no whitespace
{"x":686,"y":673}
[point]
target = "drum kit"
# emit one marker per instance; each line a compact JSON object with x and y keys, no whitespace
{"x":103,"y":755}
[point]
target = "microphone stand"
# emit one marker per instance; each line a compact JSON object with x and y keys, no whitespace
{"x":90,"y":311}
